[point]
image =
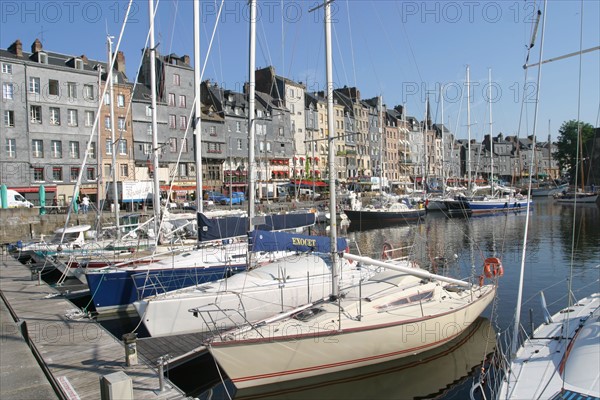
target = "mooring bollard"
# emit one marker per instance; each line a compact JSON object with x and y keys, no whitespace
{"x":130,"y":340}
{"x":161,"y":374}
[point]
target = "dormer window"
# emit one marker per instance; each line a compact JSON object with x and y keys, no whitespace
{"x":79,"y":63}
{"x":42,"y":58}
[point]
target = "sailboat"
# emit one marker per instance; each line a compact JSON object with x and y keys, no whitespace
{"x":397,"y":312}
{"x":469,"y":205}
{"x":389,"y":210}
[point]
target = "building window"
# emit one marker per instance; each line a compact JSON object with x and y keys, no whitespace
{"x":173,"y":145}
{"x":261,"y":146}
{"x":37,"y":148}
{"x":149,"y":130}
{"x":268,"y":147}
{"x":43,"y":58}
{"x":124,"y":168}
{"x":35,"y":114}
{"x":182,"y":101}
{"x":74,"y":149}
{"x":53,"y":87}
{"x":56,"y":149}
{"x":238,"y":126}
{"x":172,"y":99}
{"x":7,"y":90}
{"x":89,"y":118}
{"x":176,"y":79}
{"x":11,"y":148}
{"x":88,"y":92}
{"x":108,"y":170}
{"x":182,"y":122}
{"x":54,"y":116}
{"x":280,"y":131}
{"x":6,"y":68}
{"x":183,"y":170}
{"x":212,"y":131}
{"x":172,"y":122}
{"x":107,"y":122}
{"x":92,"y":150}
{"x":9,"y":118}
{"x":38,"y":174}
{"x":34,"y":85}
{"x":147,"y":148}
{"x":123,"y":147}
{"x":57,"y":174}
{"x":106,"y":99}
{"x":120,"y":100}
{"x":74,"y":173}
{"x":71,"y":90}
{"x":72,"y":117}
{"x":90,"y":174}
{"x":184,"y":146}
{"x":148,"y":111}
{"x":239,"y":144}
{"x":108,"y":147}
{"x":121,"y":124}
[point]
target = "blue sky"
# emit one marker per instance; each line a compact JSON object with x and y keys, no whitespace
{"x":402,"y":50}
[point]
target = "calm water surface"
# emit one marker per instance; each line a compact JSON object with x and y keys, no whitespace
{"x":457,"y":248}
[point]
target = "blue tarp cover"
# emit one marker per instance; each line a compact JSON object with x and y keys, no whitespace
{"x":228,"y":227}
{"x":281,"y":241}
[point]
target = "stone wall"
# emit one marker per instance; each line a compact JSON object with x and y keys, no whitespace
{"x":25,"y":223}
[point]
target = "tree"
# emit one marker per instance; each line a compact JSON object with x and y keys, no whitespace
{"x":568,"y":146}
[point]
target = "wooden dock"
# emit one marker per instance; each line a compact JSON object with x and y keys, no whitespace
{"x":75,"y":352}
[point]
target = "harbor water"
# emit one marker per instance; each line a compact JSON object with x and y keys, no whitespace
{"x":557,"y":257}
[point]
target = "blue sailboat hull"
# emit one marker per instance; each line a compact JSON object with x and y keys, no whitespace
{"x":115,"y":291}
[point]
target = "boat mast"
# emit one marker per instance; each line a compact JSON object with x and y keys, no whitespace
{"x":251,"y":106}
{"x":381,"y":130}
{"x":515,"y":335}
{"x":156,"y":199}
{"x":109,"y":80}
{"x":491,"y":132}
{"x":469,"y":183}
{"x":197,"y":108}
{"x":331,"y":127}
{"x":443,"y":144}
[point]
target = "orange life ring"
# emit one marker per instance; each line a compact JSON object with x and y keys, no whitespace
{"x":492,"y":267}
{"x":385,"y":250}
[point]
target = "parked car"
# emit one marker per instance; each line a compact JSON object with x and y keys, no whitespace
{"x":216,"y":197}
{"x":309,"y":193}
{"x":236,"y":198}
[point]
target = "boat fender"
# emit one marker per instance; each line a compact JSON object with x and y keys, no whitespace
{"x":492,"y":267}
{"x":481,"y":278}
{"x":347,"y":250}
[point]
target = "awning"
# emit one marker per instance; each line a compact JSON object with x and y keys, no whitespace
{"x":34,"y":189}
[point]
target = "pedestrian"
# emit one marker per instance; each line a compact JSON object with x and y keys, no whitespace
{"x":85,"y":202}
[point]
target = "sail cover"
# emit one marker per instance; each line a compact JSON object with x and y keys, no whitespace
{"x":228,"y":227}
{"x":284,"y":241}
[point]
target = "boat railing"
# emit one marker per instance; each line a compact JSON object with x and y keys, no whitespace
{"x":208,"y":316}
{"x":157,"y":283}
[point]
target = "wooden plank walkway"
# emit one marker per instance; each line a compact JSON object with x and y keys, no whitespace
{"x":76,"y":352}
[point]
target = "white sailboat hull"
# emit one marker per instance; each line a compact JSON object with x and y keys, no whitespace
{"x":295,"y":349}
{"x":249,"y":296}
{"x":545,"y":366}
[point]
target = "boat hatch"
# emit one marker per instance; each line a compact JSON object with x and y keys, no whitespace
{"x":309,"y":313}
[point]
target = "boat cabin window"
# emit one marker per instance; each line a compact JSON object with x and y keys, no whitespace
{"x":309,"y":313}
{"x":415,"y":298}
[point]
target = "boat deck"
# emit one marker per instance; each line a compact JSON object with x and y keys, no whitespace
{"x":75,"y":352}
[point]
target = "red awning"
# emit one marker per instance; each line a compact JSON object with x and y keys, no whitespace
{"x":309,"y":182}
{"x":34,"y":189}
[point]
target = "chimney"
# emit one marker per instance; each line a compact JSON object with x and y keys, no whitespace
{"x":84,"y":58}
{"x":186,"y":59}
{"x":36,"y":46}
{"x":16,"y":48}
{"x":120,"y":62}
